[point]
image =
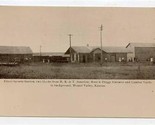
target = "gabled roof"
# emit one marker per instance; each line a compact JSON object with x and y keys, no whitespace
{"x":107,"y":49}
{"x":15,"y":50}
{"x":112,"y":49}
{"x":116,"y":50}
{"x":82,"y":49}
{"x":141,"y":44}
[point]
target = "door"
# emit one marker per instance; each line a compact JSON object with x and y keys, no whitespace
{"x":84,"y":58}
{"x":112,"y":58}
{"x":97,"y":57}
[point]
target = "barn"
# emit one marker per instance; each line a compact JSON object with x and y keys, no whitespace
{"x":141,"y":52}
{"x":84,"y":54}
{"x":15,"y":54}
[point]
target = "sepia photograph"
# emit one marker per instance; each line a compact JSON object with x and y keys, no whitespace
{"x":77,"y":62}
{"x":77,"y":43}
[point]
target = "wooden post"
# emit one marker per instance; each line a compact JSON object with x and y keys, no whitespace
{"x":70,"y":43}
{"x":101,"y":28}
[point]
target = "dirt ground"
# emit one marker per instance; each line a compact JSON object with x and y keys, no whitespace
{"x":79,"y":71}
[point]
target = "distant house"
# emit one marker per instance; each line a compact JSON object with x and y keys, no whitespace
{"x":141,"y":51}
{"x":15,"y":53}
{"x":50,"y":57}
{"x":84,"y":54}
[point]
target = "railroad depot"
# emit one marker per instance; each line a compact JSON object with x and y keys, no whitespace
{"x":83,"y":54}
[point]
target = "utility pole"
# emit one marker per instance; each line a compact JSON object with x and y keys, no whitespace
{"x":40,"y":52}
{"x":101,"y":29}
{"x":70,"y":43}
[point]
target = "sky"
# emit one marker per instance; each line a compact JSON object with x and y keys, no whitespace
{"x":49,"y":26}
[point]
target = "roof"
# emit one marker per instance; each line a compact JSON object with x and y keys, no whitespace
{"x":15,"y":50}
{"x":141,"y":44}
{"x":110,"y":49}
{"x":82,"y":49}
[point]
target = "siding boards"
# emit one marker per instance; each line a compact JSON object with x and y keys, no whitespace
{"x":144,"y":53}
{"x":12,"y":57}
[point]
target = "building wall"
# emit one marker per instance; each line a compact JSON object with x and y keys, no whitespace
{"x":141,"y":53}
{"x":96,"y":56}
{"x":121,"y":57}
{"x":108,"y":57}
{"x":130,"y":57}
{"x":13,"y":57}
{"x":81,"y":57}
{"x":144,"y":53}
{"x":36,"y":58}
{"x":41,"y":58}
{"x":73,"y":57}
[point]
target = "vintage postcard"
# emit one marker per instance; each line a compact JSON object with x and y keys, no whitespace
{"x":77,"y":61}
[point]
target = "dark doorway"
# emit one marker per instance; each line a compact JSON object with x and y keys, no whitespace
{"x":112,"y":58}
{"x":97,"y":57}
{"x":84,"y":58}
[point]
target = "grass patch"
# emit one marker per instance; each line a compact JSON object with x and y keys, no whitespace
{"x":78,"y":71}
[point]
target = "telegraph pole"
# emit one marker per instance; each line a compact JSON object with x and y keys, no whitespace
{"x":70,"y":43}
{"x":40,"y":52}
{"x":101,"y":29}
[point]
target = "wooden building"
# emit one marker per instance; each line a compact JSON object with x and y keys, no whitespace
{"x":84,"y":54}
{"x":110,"y":54}
{"x":15,"y":54}
{"x":141,"y":52}
{"x":79,"y":54}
